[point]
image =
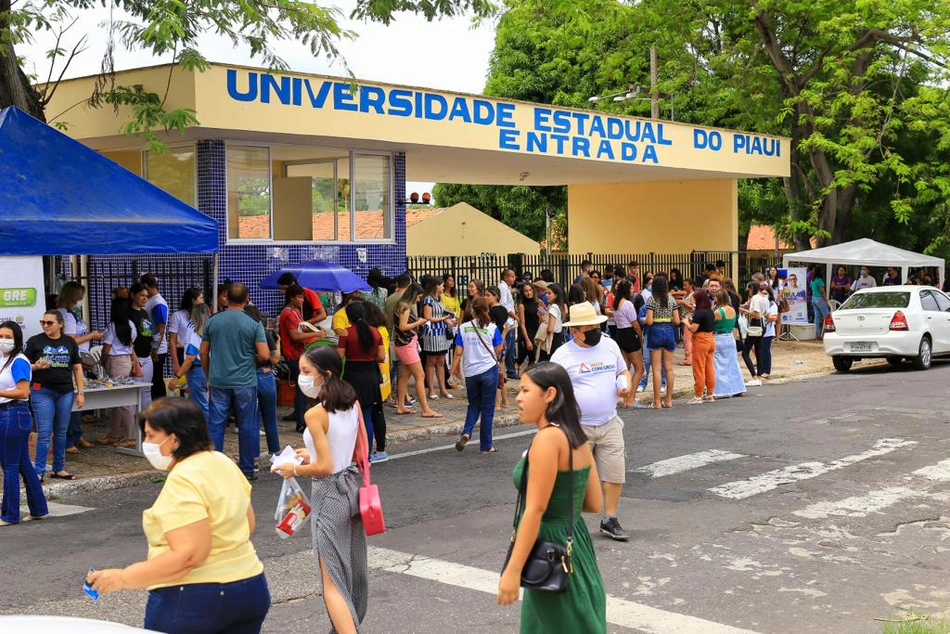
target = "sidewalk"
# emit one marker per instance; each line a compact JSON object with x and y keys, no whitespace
{"x":102,"y":468}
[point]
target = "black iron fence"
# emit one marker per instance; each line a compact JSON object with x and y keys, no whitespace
{"x":565,"y":267}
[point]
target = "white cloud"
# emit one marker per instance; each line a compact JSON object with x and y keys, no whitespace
{"x":447,"y":54}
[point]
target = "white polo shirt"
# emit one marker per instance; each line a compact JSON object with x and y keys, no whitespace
{"x":594,"y":373}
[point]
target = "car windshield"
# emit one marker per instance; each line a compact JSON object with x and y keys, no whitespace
{"x":877,"y":300}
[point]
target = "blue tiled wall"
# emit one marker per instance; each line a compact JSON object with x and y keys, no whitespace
{"x":250,"y":263}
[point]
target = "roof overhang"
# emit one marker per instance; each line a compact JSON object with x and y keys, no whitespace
{"x":447,"y":137}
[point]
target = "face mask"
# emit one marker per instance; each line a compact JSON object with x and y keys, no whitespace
{"x":864,"y":273}
{"x":307,"y":386}
{"x":6,"y":346}
{"x":592,"y":337}
{"x":153,"y":453}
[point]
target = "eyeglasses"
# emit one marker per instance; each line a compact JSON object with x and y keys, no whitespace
{"x":46,"y":323}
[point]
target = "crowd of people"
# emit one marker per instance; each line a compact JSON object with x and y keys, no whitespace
{"x":579,"y":355}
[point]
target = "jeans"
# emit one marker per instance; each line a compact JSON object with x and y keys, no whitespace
{"x":647,"y":363}
{"x":368,"y":424}
{"x":244,"y":400}
{"x":511,"y":352}
{"x":74,"y":432}
{"x":481,"y":401}
{"x":267,"y":407}
{"x":300,"y":399}
{"x":148,"y":369}
{"x":16,"y":423}
{"x":821,"y":309}
{"x":198,"y":389}
{"x":238,"y":607}
{"x":52,"y":410}
{"x":750,"y":344}
{"x":765,"y":355}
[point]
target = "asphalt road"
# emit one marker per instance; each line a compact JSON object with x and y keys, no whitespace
{"x":806,"y":507}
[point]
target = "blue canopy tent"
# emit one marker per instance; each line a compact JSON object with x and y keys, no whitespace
{"x":58,"y":196}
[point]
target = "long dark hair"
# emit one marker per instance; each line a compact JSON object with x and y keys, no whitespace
{"x":336,"y":394}
{"x":559,"y":298}
{"x":661,"y":291}
{"x":451,"y":292}
{"x":188,"y":299}
{"x":622,"y":291}
{"x":182,"y":417}
{"x":374,"y":314}
{"x":17,"y":342}
{"x":121,"y":316}
{"x":480,"y":311}
{"x":356,"y":313}
{"x":563,"y":410}
{"x":576,"y":295}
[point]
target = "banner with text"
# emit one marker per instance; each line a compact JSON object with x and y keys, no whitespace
{"x":793,"y":291}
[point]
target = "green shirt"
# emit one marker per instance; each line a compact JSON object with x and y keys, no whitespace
{"x":233,"y":335}
{"x":817,"y":287}
{"x":389,"y":308}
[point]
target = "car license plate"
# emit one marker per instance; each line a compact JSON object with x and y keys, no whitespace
{"x":861,"y":347}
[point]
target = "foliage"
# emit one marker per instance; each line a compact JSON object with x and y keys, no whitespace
{"x":860,"y":87}
{"x":172,"y":29}
{"x":914,"y":624}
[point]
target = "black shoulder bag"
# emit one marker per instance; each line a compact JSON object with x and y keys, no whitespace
{"x":549,"y":565}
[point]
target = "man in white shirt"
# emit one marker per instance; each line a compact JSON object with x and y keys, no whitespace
{"x":864,"y":280}
{"x":599,"y":374}
{"x":507,"y":300}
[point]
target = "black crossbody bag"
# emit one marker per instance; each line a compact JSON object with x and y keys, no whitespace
{"x":549,"y":565}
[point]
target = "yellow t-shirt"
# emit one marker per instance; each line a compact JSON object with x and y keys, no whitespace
{"x":385,"y":388}
{"x":452,"y":304}
{"x":206,"y":485}
{"x":340,"y":321}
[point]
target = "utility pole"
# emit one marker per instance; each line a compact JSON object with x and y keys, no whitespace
{"x":654,"y":95}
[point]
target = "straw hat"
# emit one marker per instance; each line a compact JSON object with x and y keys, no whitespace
{"x":583,"y":314}
{"x":540,"y":285}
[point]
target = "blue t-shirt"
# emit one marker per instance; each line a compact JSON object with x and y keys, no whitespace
{"x":233,"y":335}
{"x":12,"y":374}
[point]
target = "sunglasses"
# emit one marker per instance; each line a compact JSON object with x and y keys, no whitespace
{"x":46,"y":323}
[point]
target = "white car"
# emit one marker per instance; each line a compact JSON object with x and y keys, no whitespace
{"x":894,"y":322}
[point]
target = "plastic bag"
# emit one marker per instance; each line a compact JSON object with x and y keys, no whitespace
{"x":292,"y":509}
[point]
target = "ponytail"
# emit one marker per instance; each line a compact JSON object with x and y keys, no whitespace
{"x":356,"y":313}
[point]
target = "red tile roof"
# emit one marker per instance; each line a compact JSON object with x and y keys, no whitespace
{"x":762,"y":238}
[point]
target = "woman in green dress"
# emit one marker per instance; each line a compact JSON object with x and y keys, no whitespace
{"x":546,"y":399}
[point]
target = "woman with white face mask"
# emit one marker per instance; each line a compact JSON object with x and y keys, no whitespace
{"x":205,"y":501}
{"x":15,"y":426}
{"x":339,"y":540}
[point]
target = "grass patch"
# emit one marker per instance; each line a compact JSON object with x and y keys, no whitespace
{"x":918,"y":624}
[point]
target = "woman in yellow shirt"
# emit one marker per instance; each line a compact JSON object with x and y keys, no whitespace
{"x":202,"y":571}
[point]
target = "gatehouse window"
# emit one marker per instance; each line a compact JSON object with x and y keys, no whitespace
{"x":249,"y":192}
{"x":174,"y":171}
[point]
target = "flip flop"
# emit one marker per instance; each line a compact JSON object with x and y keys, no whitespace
{"x":57,"y":476}
{"x":666,"y":405}
{"x":433,"y":415}
{"x":492,"y":450}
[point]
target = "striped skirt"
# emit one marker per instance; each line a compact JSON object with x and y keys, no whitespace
{"x":339,"y":540}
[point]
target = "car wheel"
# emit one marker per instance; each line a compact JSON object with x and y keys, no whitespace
{"x":895,"y":360}
{"x":842,"y":364}
{"x":924,"y":355}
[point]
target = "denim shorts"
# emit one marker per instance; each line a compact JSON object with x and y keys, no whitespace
{"x":662,"y":336}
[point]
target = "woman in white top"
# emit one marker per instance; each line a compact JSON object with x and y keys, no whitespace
{"x":339,"y":541}
{"x":120,"y":360}
{"x":73,"y":326}
{"x":16,"y":423}
{"x":178,"y":323}
{"x":556,"y":303}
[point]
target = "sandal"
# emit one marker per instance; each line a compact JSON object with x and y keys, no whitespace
{"x":72,"y":450}
{"x":709,"y":399}
{"x":107,"y":440}
{"x":126,"y":443}
{"x":62,"y":475}
{"x":461,"y":442}
{"x":666,"y":405}
{"x":492,"y":450}
{"x":696,"y":400}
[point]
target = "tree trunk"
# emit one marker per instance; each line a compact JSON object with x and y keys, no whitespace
{"x":15,"y":87}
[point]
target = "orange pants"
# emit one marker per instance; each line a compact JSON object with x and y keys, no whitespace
{"x":688,"y":346}
{"x":704,"y":371}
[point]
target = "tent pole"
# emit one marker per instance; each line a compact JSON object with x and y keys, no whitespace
{"x":905,"y":274}
{"x":215,"y":283}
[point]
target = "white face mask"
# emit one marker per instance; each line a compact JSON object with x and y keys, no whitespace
{"x":6,"y":346}
{"x":308,"y":387}
{"x":153,"y":453}
{"x":864,"y":273}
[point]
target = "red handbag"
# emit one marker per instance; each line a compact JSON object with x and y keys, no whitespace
{"x":371,"y":507}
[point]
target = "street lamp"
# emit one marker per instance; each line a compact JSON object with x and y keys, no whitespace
{"x":631,"y":90}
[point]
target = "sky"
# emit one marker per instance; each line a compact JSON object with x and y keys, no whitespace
{"x":448,"y":55}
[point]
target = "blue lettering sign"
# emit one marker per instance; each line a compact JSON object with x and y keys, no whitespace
{"x":508,"y":139}
{"x":506,"y":113}
{"x":343,"y":97}
{"x":541,"y":116}
{"x":237,"y":95}
{"x":400,"y":102}
{"x":372,"y":97}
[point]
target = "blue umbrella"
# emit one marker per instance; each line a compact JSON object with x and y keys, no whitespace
{"x":319,"y":275}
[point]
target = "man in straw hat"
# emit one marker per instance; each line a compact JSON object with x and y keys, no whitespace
{"x":599,"y":374}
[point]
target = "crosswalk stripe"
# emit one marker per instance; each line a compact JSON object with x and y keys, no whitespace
{"x":764,"y":482}
{"x":619,"y":611}
{"x":57,"y":509}
{"x":880,"y":499}
{"x":679,"y":464}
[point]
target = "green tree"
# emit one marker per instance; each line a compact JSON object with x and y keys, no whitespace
{"x":173,"y":28}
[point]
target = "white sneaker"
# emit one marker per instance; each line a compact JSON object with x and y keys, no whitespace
{"x":663,"y":390}
{"x":753,"y":383}
{"x":640,"y":389}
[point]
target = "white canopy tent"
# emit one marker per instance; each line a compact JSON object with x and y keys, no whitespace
{"x":867,"y":252}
